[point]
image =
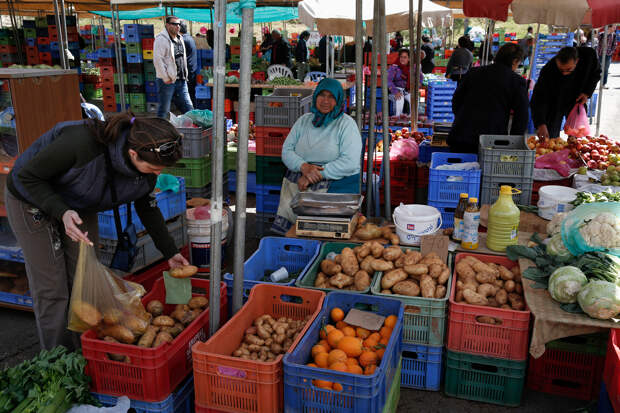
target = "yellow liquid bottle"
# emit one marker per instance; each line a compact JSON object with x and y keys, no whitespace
{"x":503,"y":226}
{"x":471,"y":221}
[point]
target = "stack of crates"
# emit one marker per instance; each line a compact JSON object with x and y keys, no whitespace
{"x":92,"y":88}
{"x":107,"y":71}
{"x":30,"y":42}
{"x":506,"y":160}
{"x":8,"y":47}
{"x":439,"y":100}
{"x":150,"y":84}
{"x":486,"y":362}
{"x":571,"y":367}
{"x":275,"y":115}
{"x":53,"y":35}
{"x":235,"y":53}
{"x":446,"y":186}
{"x":135,"y":36}
{"x":547,"y":46}
{"x":172,"y":206}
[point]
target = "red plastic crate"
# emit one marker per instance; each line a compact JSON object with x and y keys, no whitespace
{"x":566,"y":373}
{"x":148,"y":276}
{"x":422,"y":175}
{"x":611,"y":373}
{"x":106,"y":70}
{"x":235,"y":50}
{"x":147,"y":44}
{"x":152,"y":373}
{"x":536,"y":185}
{"x":400,"y":192}
{"x":109,"y":107}
{"x":269,"y":140}
{"x":43,"y":40}
{"x":260,"y":76}
{"x":508,"y":340}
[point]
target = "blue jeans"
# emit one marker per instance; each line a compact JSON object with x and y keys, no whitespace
{"x":606,"y":68}
{"x":177,"y":91}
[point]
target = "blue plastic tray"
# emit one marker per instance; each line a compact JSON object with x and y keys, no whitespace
{"x":447,"y":212}
{"x":267,"y":198}
{"x":360,"y":394}
{"x":421,"y":367}
{"x":251,"y":185}
{"x":426,"y":151}
{"x":446,"y":186}
{"x":24,"y":300}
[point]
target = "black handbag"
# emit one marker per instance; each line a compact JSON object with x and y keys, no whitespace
{"x":126,"y":250}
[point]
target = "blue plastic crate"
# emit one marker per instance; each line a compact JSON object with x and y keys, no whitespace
{"x":446,"y":209}
{"x":447,"y":84}
{"x":235,"y":66}
{"x":296,"y":255}
{"x":446,"y":186}
{"x":150,"y":86}
{"x":604,"y":403}
{"x":181,"y":401}
{"x":23,"y":300}
{"x":134,"y":58}
{"x":251,"y":183}
{"x":170,"y":203}
{"x":360,"y":394}
{"x":44,"y":48}
{"x":203,"y":104}
{"x":146,"y":30}
{"x":130,"y":29}
{"x":54,"y":46}
{"x":203,"y":92}
{"x":421,"y":367}
{"x":426,"y":151}
{"x":31,"y":42}
{"x":105,"y":53}
{"x":267,"y":198}
{"x":152,"y":97}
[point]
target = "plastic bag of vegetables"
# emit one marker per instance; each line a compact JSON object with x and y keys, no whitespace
{"x":593,"y":227}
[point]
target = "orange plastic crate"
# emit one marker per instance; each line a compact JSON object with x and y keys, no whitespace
{"x":152,"y":374}
{"x":508,"y":340}
{"x":232,"y":384}
{"x":269,"y":140}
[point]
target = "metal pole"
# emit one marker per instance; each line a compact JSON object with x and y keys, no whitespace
{"x":63,"y":39}
{"x":219,"y":70}
{"x":600,"y":87}
{"x":242,"y":154}
{"x":418,"y":54}
{"x":386,"y":111}
{"x":20,"y":55}
{"x":532,"y":62}
{"x":359,"y":77}
{"x":413,"y":112}
{"x":58,"y":24}
{"x":373,"y":110}
{"x":116,"y":28}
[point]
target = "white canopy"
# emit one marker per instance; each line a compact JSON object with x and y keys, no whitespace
{"x":337,"y":17}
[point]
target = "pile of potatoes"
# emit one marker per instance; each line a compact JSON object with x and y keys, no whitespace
{"x":489,"y":284}
{"x":150,"y":328}
{"x":368,"y":231}
{"x":267,"y":338}
{"x":414,"y":274}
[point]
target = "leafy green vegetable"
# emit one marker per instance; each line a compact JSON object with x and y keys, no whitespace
{"x":588,"y":197}
{"x":284,"y":81}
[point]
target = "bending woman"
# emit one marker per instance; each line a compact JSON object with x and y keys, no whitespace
{"x":322,"y":152}
{"x":58,"y":185}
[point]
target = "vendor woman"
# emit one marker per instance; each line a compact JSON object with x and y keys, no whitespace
{"x":322,"y":152}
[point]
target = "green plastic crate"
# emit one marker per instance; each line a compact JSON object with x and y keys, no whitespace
{"x":235,"y":58}
{"x":484,"y":379}
{"x":391,"y":403}
{"x":135,"y":79}
{"x":197,"y":172}
{"x":134,"y":48}
{"x":231,"y":160}
{"x":235,"y":41}
{"x":137,"y":108}
{"x":30,"y":33}
{"x":269,"y":170}
{"x":116,"y":78}
{"x":307,"y":281}
{"x":40,"y":22}
{"x":588,"y":343}
{"x":149,"y":76}
{"x":427,"y":324}
{"x":137,"y":99}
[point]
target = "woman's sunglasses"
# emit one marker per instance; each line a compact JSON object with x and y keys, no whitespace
{"x":165,"y":149}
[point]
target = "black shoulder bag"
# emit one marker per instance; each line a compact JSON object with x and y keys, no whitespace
{"x":126,"y":250}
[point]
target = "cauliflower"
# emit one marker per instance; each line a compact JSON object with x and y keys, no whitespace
{"x":602,"y":231}
{"x":555,"y":225}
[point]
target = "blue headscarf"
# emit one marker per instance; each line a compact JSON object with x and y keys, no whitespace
{"x":334,"y":87}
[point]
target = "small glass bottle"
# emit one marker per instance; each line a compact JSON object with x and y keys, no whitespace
{"x":457,"y":233}
{"x":471,"y":221}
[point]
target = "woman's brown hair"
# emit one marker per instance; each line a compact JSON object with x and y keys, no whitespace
{"x":144,"y":134}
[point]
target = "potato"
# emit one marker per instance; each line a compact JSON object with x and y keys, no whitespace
{"x":381,"y":265}
{"x":330,"y":268}
{"x":87,"y":313}
{"x":341,"y":280}
{"x":376,"y":249}
{"x":338,"y":259}
{"x":394,"y":240}
{"x":137,"y":325}
{"x":163,"y":321}
{"x":162,"y":337}
{"x":493,"y":302}
{"x":498,"y":283}
{"x":518,"y":288}
{"x":392,"y":253}
{"x":320,"y":279}
{"x":407,"y":287}
{"x":155,"y":307}
{"x":458,"y":297}
{"x":485,"y":278}
{"x":412,"y":257}
{"x":119,"y":332}
{"x":501,"y":297}
{"x":459,"y":285}
{"x":112,"y":316}
{"x":361,"y":280}
{"x":474,"y":298}
{"x":471,"y":285}
{"x":464,"y":270}
{"x":363,"y":252}
{"x":392,"y":277}
{"x":417,"y":269}
{"x":440,"y":291}
{"x":481,"y":267}
{"x":147,"y":339}
{"x":115,"y":357}
{"x":444,"y":276}
{"x":368,"y":231}
{"x":486,"y":290}
{"x":505,"y":274}
{"x":487,"y":320}
{"x":349,"y":262}
{"x":400,"y":262}
{"x":198,"y":302}
{"x":509,"y":286}
{"x":185,"y":271}
{"x":175,"y":330}
{"x":386,"y":291}
{"x":434,"y":270}
{"x":517,"y":273}
{"x":516,"y":301}
{"x":366,"y":264}
{"x":427,"y":285}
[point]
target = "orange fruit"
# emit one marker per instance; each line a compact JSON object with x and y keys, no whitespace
{"x":368,"y":358}
{"x":334,"y":337}
{"x":352,"y":346}
{"x":390,"y":321}
{"x":384,"y":341}
{"x":341,"y":325}
{"x":352,"y":362}
{"x":325,"y":330}
{"x":318,"y":349}
{"x":321,"y":360}
{"x":375,"y":336}
{"x":322,"y":384}
{"x":337,"y":387}
{"x":325,"y":344}
{"x":356,"y":370}
{"x":370,"y":342}
{"x":311,"y":365}
{"x":339,"y":366}
{"x":349,"y":331}
{"x":370,"y":369}
{"x":362,"y":332}
{"x":385,"y":332}
{"x":336,"y":356}
{"x":380,"y":352}
{"x":336,"y":314}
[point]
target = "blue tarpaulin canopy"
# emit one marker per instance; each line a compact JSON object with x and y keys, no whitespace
{"x":233,"y":14}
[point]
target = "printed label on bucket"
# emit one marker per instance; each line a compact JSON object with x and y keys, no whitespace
{"x":411,"y":227}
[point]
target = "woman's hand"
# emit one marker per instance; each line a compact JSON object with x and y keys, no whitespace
{"x":312,"y":172}
{"x":177,"y":261}
{"x":71,"y":220}
{"x":302,"y":183}
{"x":542,"y":132}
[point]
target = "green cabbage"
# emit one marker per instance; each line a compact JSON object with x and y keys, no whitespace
{"x":565,"y":283}
{"x":600,"y":299}
{"x":556,"y":247}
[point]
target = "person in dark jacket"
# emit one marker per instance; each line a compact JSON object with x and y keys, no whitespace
{"x":302,"y":55}
{"x":59,"y":184}
{"x":569,"y":78}
{"x":322,"y":51}
{"x":280,"y":52}
{"x":429,"y":53}
{"x":484,"y":99}
{"x":193,"y":68}
{"x":460,"y":62}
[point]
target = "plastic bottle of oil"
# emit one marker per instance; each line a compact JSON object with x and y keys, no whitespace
{"x":503,"y":226}
{"x":457,"y":233}
{"x":471,"y":220}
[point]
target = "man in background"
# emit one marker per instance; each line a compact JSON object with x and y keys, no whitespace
{"x":280,"y":53}
{"x":302,"y":55}
{"x":192,"y":61}
{"x":612,"y":42}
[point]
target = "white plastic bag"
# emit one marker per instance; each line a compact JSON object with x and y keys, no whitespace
{"x":122,"y":406}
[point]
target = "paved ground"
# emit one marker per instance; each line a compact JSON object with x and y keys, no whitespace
{"x":19,"y":341}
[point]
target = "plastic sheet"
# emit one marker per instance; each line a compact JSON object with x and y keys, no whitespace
{"x":576,"y":222}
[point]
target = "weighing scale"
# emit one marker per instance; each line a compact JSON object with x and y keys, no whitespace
{"x":440,"y":134}
{"x":326,"y":227}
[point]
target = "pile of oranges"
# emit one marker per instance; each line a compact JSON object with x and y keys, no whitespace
{"x":349,"y":349}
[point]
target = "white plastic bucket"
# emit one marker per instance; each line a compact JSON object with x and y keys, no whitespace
{"x":554,"y":199}
{"x":199,"y":233}
{"x":414,"y":220}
